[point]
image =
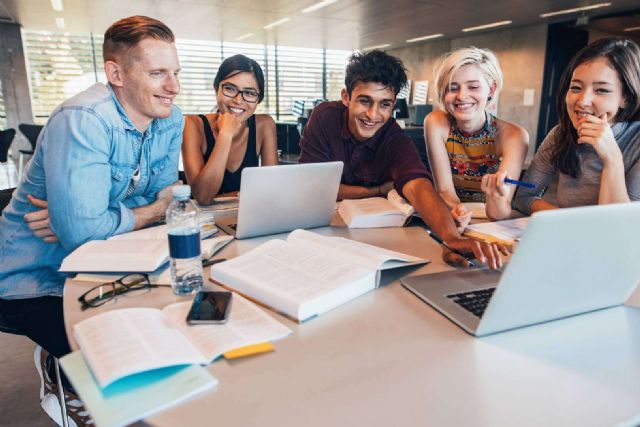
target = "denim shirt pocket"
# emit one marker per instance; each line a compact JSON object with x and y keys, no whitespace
{"x":160,"y":165}
{"x":120,"y":178}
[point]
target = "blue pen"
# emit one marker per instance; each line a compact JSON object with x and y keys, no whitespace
{"x":521,"y":183}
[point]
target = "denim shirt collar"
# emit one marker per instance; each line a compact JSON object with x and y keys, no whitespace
{"x":126,"y":121}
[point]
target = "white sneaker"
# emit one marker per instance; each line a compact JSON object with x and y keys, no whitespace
{"x":51,"y":406}
{"x":40,"y":357}
{"x":77,"y":415}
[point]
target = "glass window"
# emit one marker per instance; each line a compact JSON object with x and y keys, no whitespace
{"x":63,"y":64}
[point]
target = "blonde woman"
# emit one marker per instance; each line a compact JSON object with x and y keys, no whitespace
{"x":471,"y":151}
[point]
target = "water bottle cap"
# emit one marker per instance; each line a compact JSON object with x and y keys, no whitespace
{"x":181,"y":192}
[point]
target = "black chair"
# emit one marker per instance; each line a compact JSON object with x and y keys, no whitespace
{"x":6,"y":138}
{"x":5,"y":197}
{"x":31,"y":132}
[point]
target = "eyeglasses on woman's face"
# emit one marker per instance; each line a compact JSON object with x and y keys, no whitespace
{"x":231,"y":91}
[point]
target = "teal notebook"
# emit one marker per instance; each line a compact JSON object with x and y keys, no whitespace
{"x":136,"y":396}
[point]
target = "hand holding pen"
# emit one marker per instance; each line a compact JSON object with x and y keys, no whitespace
{"x":497,"y":184}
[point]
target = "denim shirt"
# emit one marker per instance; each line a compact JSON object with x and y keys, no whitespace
{"x":83,"y":164}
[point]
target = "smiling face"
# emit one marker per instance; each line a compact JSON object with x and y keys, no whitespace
{"x":467,"y":94}
{"x":244,"y":81}
{"x":595,"y":89}
{"x":146,"y":80}
{"x":370,"y":106}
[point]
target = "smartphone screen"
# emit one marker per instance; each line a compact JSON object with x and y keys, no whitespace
{"x":210,"y":307}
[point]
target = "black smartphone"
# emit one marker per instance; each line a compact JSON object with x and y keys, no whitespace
{"x":210,"y":307}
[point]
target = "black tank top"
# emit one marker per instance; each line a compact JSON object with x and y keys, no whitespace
{"x":231,"y":180}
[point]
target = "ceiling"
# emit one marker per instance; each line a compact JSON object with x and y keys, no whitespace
{"x":345,"y":24}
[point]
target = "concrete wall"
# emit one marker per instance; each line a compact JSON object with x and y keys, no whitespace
{"x":15,"y":82}
{"x":521,"y":52}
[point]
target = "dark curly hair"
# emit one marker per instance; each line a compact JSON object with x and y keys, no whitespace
{"x":375,"y":66}
{"x":237,"y":64}
{"x":623,"y":56}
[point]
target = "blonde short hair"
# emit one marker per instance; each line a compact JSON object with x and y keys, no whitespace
{"x":484,"y":59}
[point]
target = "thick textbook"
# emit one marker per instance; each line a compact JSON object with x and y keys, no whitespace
{"x":123,"y":342}
{"x":137,"y":396}
{"x":141,"y":251}
{"x":308,"y":274}
{"x":376,"y":212}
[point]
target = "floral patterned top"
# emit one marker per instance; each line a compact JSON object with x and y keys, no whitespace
{"x":472,"y":155}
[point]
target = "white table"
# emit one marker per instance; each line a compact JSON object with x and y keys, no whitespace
{"x":389,"y":359}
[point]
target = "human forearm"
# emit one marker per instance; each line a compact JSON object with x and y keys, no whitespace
{"x":498,"y":208}
{"x":150,"y":214}
{"x":450,"y":198}
{"x":208,"y":182}
{"x":432,"y":209}
{"x":541,"y":205}
{"x":154,"y":212}
{"x":613,"y":187}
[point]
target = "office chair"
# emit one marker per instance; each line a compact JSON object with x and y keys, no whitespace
{"x":31,"y":132}
{"x":6,"y":138}
{"x":5,"y":197}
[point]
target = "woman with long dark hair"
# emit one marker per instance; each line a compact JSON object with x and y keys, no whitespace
{"x":217,"y":146}
{"x":595,"y":149}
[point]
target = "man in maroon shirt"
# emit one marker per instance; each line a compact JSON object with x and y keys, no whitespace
{"x":377,"y":155}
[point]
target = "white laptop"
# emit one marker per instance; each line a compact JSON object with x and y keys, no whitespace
{"x":277,"y":199}
{"x":569,"y":261}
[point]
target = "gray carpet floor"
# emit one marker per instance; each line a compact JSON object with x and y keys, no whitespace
{"x":19,"y":385}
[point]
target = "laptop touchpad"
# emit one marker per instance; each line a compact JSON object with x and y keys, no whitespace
{"x":482,"y":277}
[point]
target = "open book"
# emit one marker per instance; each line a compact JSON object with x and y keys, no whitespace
{"x":123,"y":342}
{"x":308,"y":274}
{"x":141,"y":251}
{"x":376,"y":212}
{"x":135,"y":397}
{"x":506,"y":232}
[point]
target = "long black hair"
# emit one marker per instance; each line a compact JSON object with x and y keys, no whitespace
{"x":237,"y":64}
{"x":623,"y":56}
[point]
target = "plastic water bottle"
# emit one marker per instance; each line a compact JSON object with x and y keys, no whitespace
{"x":184,"y":242}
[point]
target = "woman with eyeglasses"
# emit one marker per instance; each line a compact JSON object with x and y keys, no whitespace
{"x":217,"y":146}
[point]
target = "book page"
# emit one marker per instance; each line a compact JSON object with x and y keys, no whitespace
{"x":160,"y":232}
{"x":122,"y":342}
{"x":368,"y":256}
{"x":477,"y":209}
{"x":371,"y":206}
{"x":247,"y":325}
{"x":508,"y":230}
{"x":117,"y":255}
{"x":294,"y":271}
{"x":400,"y":203}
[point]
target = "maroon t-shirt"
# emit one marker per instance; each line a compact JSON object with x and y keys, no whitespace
{"x":387,"y":156}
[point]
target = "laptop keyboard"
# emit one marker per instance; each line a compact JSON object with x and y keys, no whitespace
{"x":473,"y":301}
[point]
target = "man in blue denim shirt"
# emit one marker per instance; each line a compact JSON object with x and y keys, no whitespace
{"x":104,"y":163}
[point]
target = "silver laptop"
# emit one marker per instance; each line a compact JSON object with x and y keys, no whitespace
{"x":569,"y":261}
{"x":277,"y":199}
